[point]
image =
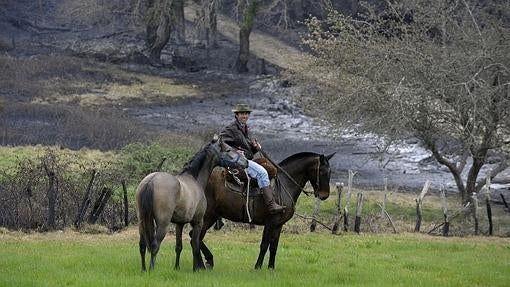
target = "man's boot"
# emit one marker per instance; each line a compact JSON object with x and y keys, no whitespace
{"x":271,"y":206}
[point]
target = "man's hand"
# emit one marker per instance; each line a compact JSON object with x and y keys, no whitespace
{"x":256,"y":144}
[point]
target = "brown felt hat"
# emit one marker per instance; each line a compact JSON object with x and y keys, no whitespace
{"x":241,"y":108}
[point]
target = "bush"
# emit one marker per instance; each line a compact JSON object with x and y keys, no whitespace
{"x":27,"y":183}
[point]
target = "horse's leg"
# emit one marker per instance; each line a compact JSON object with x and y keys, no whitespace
{"x":264,"y":244}
{"x":178,"y":244}
{"x":143,"y":248}
{"x":195,"y":245}
{"x":273,"y":246}
{"x":209,"y":258}
{"x":161,"y":231}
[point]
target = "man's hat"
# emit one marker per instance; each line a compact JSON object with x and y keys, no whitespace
{"x":241,"y":108}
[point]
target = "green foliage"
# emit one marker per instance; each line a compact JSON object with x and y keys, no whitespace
{"x":432,"y":70}
{"x":311,"y":259}
{"x":137,"y":160}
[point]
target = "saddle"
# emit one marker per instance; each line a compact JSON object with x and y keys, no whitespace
{"x":236,"y":179}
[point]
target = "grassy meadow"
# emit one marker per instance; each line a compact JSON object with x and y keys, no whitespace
{"x":309,"y":259}
{"x":89,"y":258}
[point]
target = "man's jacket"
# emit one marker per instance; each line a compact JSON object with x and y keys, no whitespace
{"x":239,"y":138}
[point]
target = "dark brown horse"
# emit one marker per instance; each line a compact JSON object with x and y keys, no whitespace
{"x":302,"y":167}
{"x":162,"y":198}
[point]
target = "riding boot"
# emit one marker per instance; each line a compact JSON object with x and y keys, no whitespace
{"x":271,"y":205}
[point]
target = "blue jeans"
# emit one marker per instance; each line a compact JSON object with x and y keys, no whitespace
{"x":258,"y":172}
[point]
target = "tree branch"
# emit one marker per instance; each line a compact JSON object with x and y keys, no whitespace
{"x":501,"y":167}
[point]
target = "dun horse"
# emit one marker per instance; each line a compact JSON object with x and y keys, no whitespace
{"x":162,"y":198}
{"x":302,"y":167}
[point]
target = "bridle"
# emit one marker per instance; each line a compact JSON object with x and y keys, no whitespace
{"x":316,"y":190}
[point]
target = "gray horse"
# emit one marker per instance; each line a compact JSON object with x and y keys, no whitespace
{"x":162,"y":198}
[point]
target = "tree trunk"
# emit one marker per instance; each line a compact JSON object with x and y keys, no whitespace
{"x":452,"y":167}
{"x":472,"y":176}
{"x":248,"y":20}
{"x":213,"y":24}
{"x":178,"y":22}
{"x":158,"y":28}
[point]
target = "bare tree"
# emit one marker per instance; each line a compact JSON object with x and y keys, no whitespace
{"x":207,"y":21}
{"x":436,"y":70}
{"x":158,"y":15}
{"x":177,"y":21}
{"x":248,"y":12}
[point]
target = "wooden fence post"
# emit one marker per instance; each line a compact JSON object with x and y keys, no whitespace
{"x":315,"y":214}
{"x":338,"y":216}
{"x":99,"y":205}
{"x":52,"y":197}
{"x":444,"y":203}
{"x":126,"y":204}
{"x":385,"y":197}
{"x":488,"y":203}
{"x":359,"y":206}
{"x":85,"y":202}
{"x":475,"y":211}
{"x":455,"y":214}
{"x":419,"y":201}
{"x":348,"y":200}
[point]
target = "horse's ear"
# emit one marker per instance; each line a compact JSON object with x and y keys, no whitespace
{"x":330,"y":156}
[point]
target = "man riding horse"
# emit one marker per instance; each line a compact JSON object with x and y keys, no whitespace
{"x":237,"y":135}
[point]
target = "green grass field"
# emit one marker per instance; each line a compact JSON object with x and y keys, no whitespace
{"x":307,"y":259}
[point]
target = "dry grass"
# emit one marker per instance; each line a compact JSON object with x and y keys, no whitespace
{"x":70,"y":80}
{"x":262,"y":45}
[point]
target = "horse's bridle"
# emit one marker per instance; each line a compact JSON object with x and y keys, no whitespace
{"x":299,"y":186}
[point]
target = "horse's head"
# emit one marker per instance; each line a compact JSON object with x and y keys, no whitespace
{"x":228,"y":156}
{"x":320,"y":182}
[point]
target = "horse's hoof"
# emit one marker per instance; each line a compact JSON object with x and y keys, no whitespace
{"x":209,"y":266}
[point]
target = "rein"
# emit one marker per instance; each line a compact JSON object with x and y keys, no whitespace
{"x":286,"y":173}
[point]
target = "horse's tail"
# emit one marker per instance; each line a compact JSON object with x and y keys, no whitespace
{"x":146,"y":213}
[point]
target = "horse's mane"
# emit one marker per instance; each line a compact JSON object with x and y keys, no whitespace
{"x":195,"y":164}
{"x":297,"y":156}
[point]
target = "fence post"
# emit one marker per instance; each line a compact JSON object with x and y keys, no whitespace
{"x":444,"y":203}
{"x":419,"y":201}
{"x":385,"y":197}
{"x":315,"y":214}
{"x":126,"y":204}
{"x":52,"y":197}
{"x":348,"y":200}
{"x":99,"y":205}
{"x":488,"y":203}
{"x":475,"y":211}
{"x":339,"y":189}
{"x":85,"y":202}
{"x":359,"y":205}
